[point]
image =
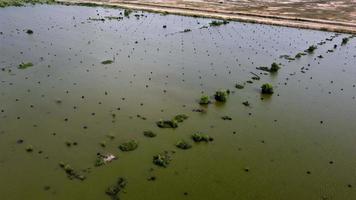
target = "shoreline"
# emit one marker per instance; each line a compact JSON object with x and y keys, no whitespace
{"x":303,"y":23}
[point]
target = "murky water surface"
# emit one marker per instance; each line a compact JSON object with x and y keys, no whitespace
{"x":298,"y":143}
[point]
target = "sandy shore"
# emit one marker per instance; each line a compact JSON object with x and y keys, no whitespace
{"x":334,"y":25}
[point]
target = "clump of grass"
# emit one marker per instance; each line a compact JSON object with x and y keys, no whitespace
{"x":344,"y":41}
{"x":311,"y":49}
{"x":180,"y":118}
{"x":127,"y":12}
{"x":199,"y":137}
{"x":103,"y":144}
{"x":299,"y":55}
{"x":183,"y":145}
{"x":106,"y":62}
{"x":99,"y":162}
{"x":221,"y":95}
{"x":274,"y":67}
{"x":71,"y":173}
{"x":246,"y":103}
{"x":173,"y":123}
{"x":204,"y":100}
{"x":162,"y":159}
{"x":167,"y":124}
{"x":239,"y":86}
{"x":149,"y":134}
{"x":226,"y":118}
{"x":115,"y":190}
{"x":25,"y":65}
{"x":218,"y":23}
{"x":29,"y":148}
{"x":267,"y":88}
{"x":29,"y":31}
{"x":129,"y":145}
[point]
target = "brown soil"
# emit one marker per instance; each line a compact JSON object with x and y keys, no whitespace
{"x":328,"y":15}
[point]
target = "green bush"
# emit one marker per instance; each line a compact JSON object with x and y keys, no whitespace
{"x":267,"y":88}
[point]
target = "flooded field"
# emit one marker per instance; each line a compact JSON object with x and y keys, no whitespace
{"x":88,"y":96}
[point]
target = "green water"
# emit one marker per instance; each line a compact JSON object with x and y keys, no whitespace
{"x":298,"y":143}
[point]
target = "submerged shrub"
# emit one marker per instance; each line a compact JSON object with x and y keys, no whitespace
{"x":162,"y":159}
{"x":218,"y":23}
{"x":221,"y":95}
{"x":267,"y":88}
{"x":204,"y":100}
{"x":311,"y":49}
{"x":149,"y":134}
{"x":127,"y":12}
{"x":183,"y":145}
{"x":29,"y":148}
{"x":129,"y":145}
{"x":274,"y":67}
{"x":29,"y":31}
{"x":199,"y":137}
{"x":167,"y":124}
{"x":105,"y":62}
{"x":115,"y":190}
{"x":25,"y":65}
{"x":226,"y":118}
{"x":180,"y":117}
{"x":71,"y":173}
{"x":344,"y":41}
{"x":239,"y":86}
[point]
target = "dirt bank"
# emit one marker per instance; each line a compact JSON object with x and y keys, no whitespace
{"x":322,"y":19}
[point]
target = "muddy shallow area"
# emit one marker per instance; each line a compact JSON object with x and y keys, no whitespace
{"x":80,"y":84}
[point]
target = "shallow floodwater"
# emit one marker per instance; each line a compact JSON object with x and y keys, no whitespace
{"x":299,"y":143}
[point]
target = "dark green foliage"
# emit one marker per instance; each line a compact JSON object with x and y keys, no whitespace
{"x":71,"y":173}
{"x":226,"y":118}
{"x":129,"y":145}
{"x":96,"y":19}
{"x":263,"y":69}
{"x":221,"y":95}
{"x":274,"y":67}
{"x":167,"y":124}
{"x":183,"y":145}
{"x":149,"y":134}
{"x":29,"y":31}
{"x":162,"y":159}
{"x":105,"y":62}
{"x":199,"y":137}
{"x":115,"y":190}
{"x":246,"y":103}
{"x":239,"y":86}
{"x":267,"y":88}
{"x":127,"y":12}
{"x":99,"y":162}
{"x":25,"y":65}
{"x":299,"y":55}
{"x":180,"y":118}
{"x":344,"y":41}
{"x":311,"y":49}
{"x":173,"y":123}
{"x":204,"y":100}
{"x":29,"y":148}
{"x":218,"y":23}
{"x":113,"y":18}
